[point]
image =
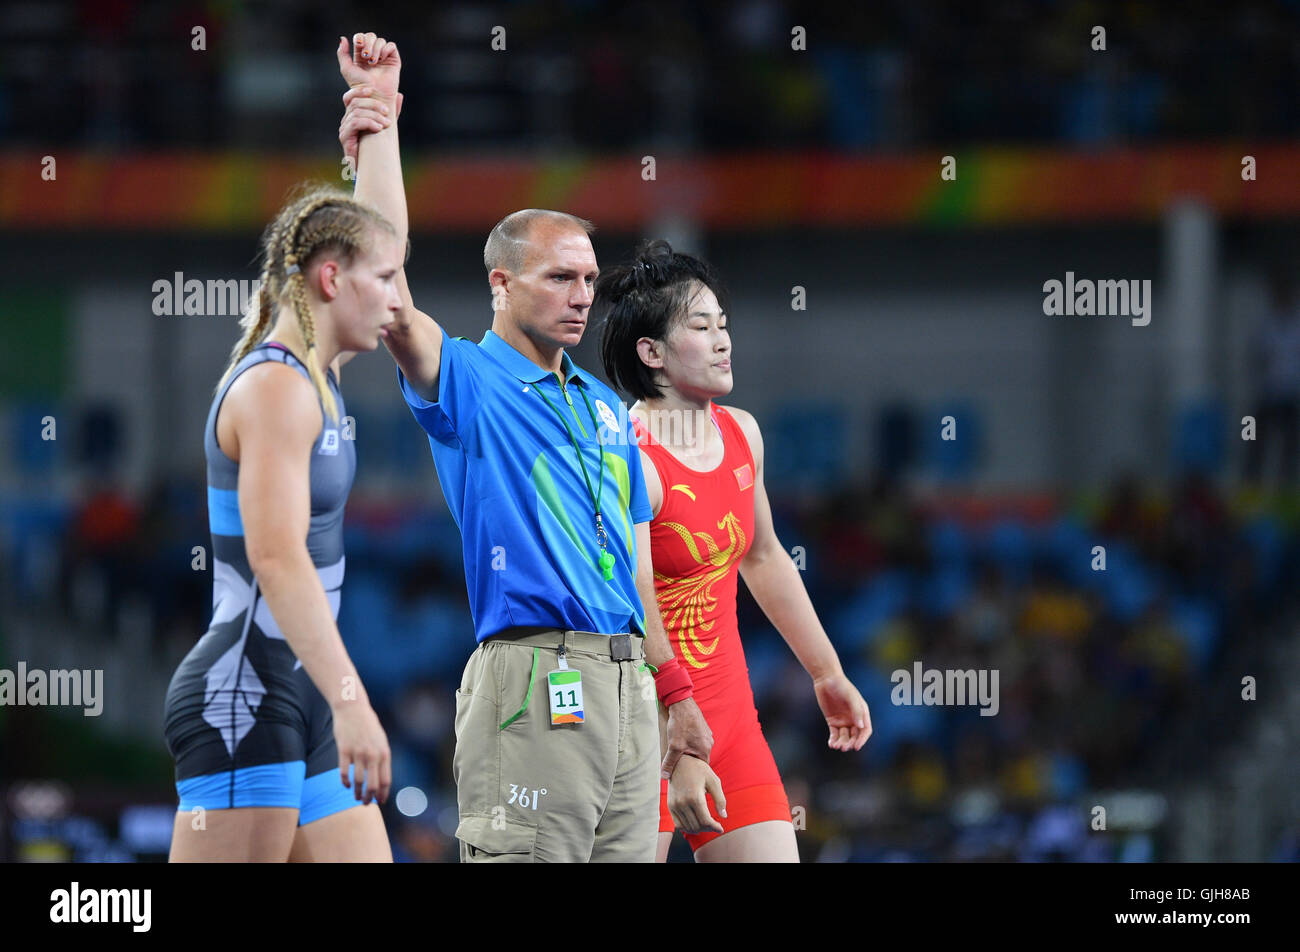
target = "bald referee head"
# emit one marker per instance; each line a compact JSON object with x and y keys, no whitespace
{"x":542,"y":271}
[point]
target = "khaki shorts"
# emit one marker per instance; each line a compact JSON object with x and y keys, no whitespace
{"x":532,"y":792}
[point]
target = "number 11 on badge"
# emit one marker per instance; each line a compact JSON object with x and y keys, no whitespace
{"x":565,"y":689}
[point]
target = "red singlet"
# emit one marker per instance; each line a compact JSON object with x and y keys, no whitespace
{"x":704,"y":528}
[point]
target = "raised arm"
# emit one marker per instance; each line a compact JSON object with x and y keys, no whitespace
{"x":372,"y":68}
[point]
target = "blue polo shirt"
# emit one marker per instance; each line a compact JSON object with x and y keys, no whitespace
{"x":512,"y":480}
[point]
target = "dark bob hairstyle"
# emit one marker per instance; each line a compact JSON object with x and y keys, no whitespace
{"x":644,"y":298}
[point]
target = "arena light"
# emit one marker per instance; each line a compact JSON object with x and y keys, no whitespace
{"x":40,"y":799}
{"x":411,"y":801}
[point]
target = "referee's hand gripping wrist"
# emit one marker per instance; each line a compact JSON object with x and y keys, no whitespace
{"x":688,"y":733}
{"x":366,"y":113}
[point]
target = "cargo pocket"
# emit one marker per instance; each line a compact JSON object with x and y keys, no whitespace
{"x":487,"y":839}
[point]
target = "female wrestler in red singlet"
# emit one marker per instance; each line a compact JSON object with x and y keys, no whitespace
{"x":666,"y":343}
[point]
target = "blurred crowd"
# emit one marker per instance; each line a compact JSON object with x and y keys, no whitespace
{"x":1109,"y":678}
{"x":601,"y":76}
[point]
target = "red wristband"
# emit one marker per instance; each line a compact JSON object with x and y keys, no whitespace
{"x":672,"y":683}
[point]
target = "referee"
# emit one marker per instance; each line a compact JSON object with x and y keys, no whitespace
{"x":557,"y":739}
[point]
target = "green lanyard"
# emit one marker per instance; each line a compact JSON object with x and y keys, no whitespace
{"x":606,"y":560}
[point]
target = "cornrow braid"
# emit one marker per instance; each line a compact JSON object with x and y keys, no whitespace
{"x":260,"y":315}
{"x":256,"y":323}
{"x":316,"y":220}
{"x":296,"y":249}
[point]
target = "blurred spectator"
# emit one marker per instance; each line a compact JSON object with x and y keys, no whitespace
{"x":1103,"y":675}
{"x":103,"y":531}
{"x":871,"y":77}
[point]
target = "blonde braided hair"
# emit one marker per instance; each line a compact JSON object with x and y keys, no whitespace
{"x":319,"y":219}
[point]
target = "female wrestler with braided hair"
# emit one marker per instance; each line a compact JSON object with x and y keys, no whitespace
{"x":278,"y":752}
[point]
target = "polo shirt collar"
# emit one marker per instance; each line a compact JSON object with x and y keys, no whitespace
{"x":523,"y":368}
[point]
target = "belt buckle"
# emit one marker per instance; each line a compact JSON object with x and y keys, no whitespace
{"x":620,"y":647}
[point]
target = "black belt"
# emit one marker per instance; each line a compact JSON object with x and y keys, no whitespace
{"x":617,"y":647}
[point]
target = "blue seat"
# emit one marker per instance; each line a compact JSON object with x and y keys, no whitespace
{"x":892,"y":724}
{"x":896,"y":439}
{"x":949,"y":542}
{"x":955,"y":460}
{"x":860,"y":620}
{"x":1068,"y":545}
{"x":1267,"y":540}
{"x":806,"y":446}
{"x":945,"y":590}
{"x":1128,"y":585}
{"x":1199,"y":437}
{"x":367,"y":625}
{"x":35,"y":457}
{"x":31,"y":527}
{"x":438,"y":638}
{"x":765,"y":656}
{"x":1008,"y":545}
{"x":1197,"y":625}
